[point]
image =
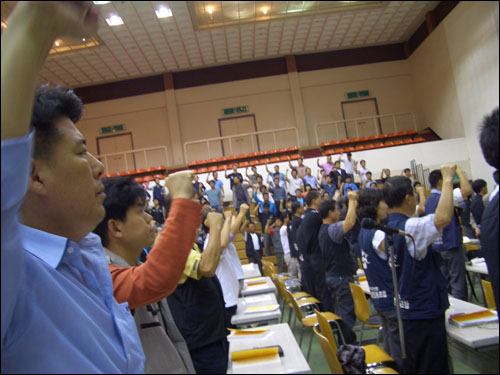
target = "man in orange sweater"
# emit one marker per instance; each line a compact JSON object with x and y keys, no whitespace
{"x":125,"y":231}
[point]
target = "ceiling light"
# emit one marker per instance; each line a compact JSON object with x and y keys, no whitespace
{"x":114,"y":20}
{"x":101,"y":2}
{"x":264,"y":10}
{"x":4,"y":25}
{"x":83,"y":39}
{"x":163,"y":12}
{"x":210,"y":10}
{"x":57,"y":43}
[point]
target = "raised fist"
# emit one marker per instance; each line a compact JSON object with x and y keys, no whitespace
{"x":213,"y":218}
{"x":448,"y":171}
{"x":352,"y":196}
{"x":244,"y":207}
{"x":180,"y":184}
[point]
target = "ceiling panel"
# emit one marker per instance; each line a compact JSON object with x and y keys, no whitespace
{"x":235,"y":31}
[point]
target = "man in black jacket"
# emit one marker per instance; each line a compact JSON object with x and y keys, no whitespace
{"x":253,"y":243}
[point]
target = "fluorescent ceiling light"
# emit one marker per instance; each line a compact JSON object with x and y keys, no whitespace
{"x":163,"y":12}
{"x":114,"y":20}
{"x":101,"y":2}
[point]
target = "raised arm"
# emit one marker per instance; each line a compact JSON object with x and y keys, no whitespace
{"x":246,"y":173}
{"x":317,"y":163}
{"x":268,"y":226}
{"x":421,"y":206}
{"x":465,"y":187}
{"x":350,"y":218}
{"x":255,"y":211}
{"x":32,"y":29}
{"x":225,"y":172}
{"x":224,"y":234}
{"x":382,"y":173}
{"x":236,"y":225}
{"x":211,"y":255}
{"x":444,"y":210}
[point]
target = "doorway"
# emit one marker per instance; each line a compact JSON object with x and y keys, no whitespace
{"x":361,"y":108}
{"x":116,"y":143}
{"x":238,"y":125}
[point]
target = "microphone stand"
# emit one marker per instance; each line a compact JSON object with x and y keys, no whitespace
{"x":390,"y":242}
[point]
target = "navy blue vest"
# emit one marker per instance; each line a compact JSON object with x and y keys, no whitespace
{"x":452,"y":233}
{"x":377,"y":271}
{"x":422,"y":287}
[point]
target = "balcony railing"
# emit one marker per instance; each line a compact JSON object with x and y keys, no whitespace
{"x":257,"y":142}
{"x":377,"y":125}
{"x":134,"y":159}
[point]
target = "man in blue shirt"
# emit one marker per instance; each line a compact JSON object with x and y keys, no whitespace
{"x":218,"y":183}
{"x":449,"y":245}
{"x":349,"y":185}
{"x":214,"y":196}
{"x":310,"y":179}
{"x":58,"y":311}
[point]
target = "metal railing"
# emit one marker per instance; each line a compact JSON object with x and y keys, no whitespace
{"x":253,"y":137}
{"x":376,"y":124}
{"x":144,"y":151}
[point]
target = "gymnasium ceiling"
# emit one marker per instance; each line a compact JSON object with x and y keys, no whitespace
{"x":201,"y":34}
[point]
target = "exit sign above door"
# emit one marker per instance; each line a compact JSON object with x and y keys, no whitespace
{"x":357,"y":94}
{"x":112,"y":129}
{"x":235,"y":110}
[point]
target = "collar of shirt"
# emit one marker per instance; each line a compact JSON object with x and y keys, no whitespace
{"x":494,"y":192}
{"x":47,"y":246}
{"x":436,"y":191}
{"x":114,"y":258}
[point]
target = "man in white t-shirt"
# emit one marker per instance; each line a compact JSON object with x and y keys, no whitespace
{"x":361,"y":171}
{"x":348,"y":164}
{"x":294,"y":182}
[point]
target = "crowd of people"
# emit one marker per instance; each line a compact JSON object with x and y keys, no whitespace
{"x":80,"y":295}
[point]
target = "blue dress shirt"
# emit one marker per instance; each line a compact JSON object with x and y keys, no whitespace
{"x":58,"y":310}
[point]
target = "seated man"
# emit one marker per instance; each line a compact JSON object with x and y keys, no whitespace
{"x":125,"y":231}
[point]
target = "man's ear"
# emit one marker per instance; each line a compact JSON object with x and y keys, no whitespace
{"x":115,"y":228}
{"x":37,"y":183}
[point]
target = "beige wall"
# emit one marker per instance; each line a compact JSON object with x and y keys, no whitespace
{"x":144,"y":116}
{"x":324,"y":90}
{"x":455,"y":76}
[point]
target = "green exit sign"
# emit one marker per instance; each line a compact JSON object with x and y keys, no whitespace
{"x":112,"y":129}
{"x":357,"y":94}
{"x":235,"y":110}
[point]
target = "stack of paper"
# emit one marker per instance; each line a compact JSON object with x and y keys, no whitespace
{"x":470,"y":319}
{"x":253,"y":334}
{"x":263,"y":360}
{"x":259,"y":309}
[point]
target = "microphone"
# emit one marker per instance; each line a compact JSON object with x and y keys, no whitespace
{"x":368,"y":223}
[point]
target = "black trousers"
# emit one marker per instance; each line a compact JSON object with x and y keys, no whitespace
{"x":426,"y":346}
{"x":256,"y":258}
{"x":307,"y":277}
{"x":229,"y":312}
{"x":211,"y":359}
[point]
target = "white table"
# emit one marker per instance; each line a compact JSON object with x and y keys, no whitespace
{"x":268,"y":287}
{"x":292,"y":362}
{"x":243,"y":318}
{"x":250,"y":270}
{"x":476,"y":346}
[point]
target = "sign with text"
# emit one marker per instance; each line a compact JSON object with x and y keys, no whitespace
{"x":112,"y":129}
{"x":357,"y":94}
{"x":235,"y":110}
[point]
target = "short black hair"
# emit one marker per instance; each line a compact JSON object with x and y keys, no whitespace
{"x":49,"y":105}
{"x":416,"y":183}
{"x":295,"y":207}
{"x":478,"y":185}
{"x":396,"y":189}
{"x":406,"y":169}
{"x":312,"y":195}
{"x":488,"y":138}
{"x":349,"y":154}
{"x":434,"y":177}
{"x":368,"y":202}
{"x":121,"y":194}
{"x":326,"y":207}
{"x":368,"y":172}
{"x":266,"y":205}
